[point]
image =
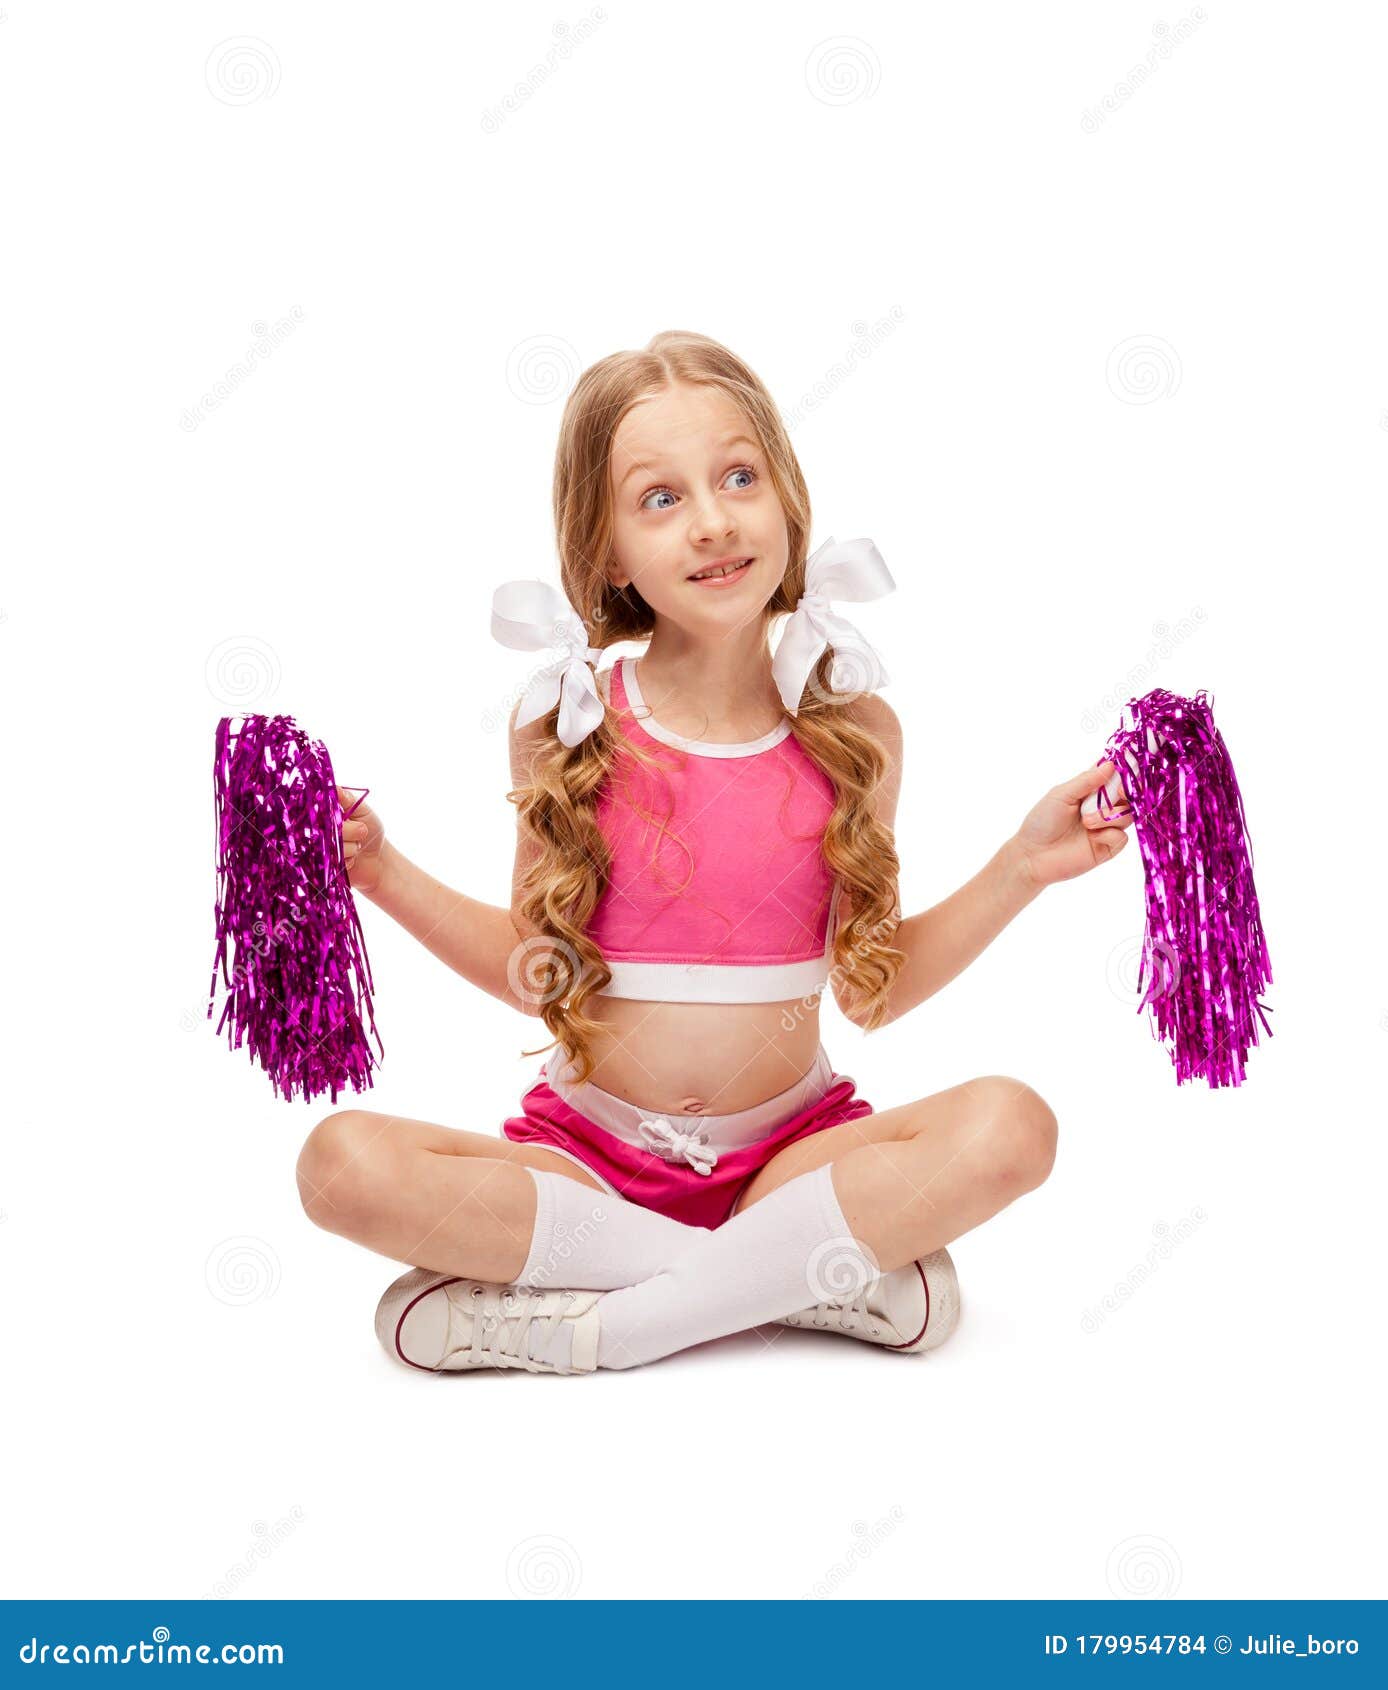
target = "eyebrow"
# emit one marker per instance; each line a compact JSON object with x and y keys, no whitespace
{"x":723,"y":445}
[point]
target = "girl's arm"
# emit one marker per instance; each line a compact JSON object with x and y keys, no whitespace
{"x":941,"y":942}
{"x":476,"y":940}
{"x":484,"y":943}
{"x":1053,"y":843}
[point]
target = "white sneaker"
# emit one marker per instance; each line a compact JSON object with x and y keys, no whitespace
{"x":911,"y":1309}
{"x":444,"y":1324}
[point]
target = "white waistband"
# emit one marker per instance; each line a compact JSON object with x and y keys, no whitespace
{"x":720,"y":1133}
{"x":704,"y":982}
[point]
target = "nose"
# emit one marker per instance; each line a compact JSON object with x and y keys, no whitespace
{"x":710,"y":521}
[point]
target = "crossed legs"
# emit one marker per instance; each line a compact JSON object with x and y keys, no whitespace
{"x":908,"y":1180}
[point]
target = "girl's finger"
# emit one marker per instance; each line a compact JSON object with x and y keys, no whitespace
{"x":1081,"y":785}
{"x":1119,"y":816}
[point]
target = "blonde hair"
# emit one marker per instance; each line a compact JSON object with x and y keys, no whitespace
{"x":557,"y":807}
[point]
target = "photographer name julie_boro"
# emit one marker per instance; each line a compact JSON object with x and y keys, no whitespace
{"x":1176,"y":1643}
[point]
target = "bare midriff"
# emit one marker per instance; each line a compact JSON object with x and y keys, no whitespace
{"x":701,"y":1058}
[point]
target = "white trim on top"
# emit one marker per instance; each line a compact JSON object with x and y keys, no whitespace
{"x":699,"y":747}
{"x":703,"y":982}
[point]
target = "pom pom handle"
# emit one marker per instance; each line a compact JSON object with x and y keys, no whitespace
{"x":1111,"y":799}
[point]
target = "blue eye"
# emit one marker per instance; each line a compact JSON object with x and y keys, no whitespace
{"x":742,"y":469}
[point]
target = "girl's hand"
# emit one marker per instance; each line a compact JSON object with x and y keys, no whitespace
{"x":1056,"y":842}
{"x":363,"y":840}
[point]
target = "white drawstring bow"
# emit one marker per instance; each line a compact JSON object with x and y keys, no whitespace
{"x":530,"y":615}
{"x":665,"y":1140}
{"x":851,"y":569}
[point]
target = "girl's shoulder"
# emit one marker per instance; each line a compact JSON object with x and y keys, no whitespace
{"x":874,"y":715}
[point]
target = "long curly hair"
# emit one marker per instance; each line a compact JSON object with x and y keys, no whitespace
{"x":557,"y":807}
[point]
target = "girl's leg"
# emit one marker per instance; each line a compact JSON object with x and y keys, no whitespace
{"x":435,"y":1197}
{"x":865,"y":1197}
{"x":476,"y":1206}
{"x":912,"y":1179}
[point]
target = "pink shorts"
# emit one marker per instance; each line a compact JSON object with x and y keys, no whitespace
{"x":690,"y":1167}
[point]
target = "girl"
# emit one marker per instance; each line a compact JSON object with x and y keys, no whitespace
{"x":705,"y":840}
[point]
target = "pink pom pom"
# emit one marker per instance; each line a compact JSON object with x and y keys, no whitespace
{"x":300,"y":976}
{"x":1204,"y":944}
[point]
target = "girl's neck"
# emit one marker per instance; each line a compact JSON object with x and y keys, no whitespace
{"x":711,"y":689}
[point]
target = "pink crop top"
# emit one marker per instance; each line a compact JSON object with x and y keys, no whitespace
{"x":743,"y":915}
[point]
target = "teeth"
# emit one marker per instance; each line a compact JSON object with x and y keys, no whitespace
{"x":708,"y":574}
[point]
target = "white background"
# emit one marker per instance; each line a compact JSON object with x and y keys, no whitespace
{"x":1107,"y":387}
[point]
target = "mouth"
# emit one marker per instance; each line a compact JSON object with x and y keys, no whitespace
{"x":724,"y":573}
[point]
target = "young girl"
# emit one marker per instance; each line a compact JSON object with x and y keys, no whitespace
{"x":705,"y":840}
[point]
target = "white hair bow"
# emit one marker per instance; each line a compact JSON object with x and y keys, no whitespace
{"x":530,"y":615}
{"x":851,"y":569}
{"x":665,"y":1140}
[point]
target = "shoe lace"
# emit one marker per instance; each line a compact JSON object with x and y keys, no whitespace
{"x":494,"y":1322}
{"x":843,"y":1317}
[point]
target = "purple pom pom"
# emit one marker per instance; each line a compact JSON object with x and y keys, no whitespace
{"x":1204,"y":942}
{"x":285,"y":909}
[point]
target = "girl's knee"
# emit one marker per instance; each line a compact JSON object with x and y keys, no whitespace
{"x":1022,"y":1131}
{"x":335,"y":1169}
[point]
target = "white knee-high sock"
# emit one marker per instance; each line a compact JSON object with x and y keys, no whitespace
{"x":587,"y":1240}
{"x":788,"y":1251}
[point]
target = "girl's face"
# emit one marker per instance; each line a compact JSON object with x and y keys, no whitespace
{"x":691,"y":491}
